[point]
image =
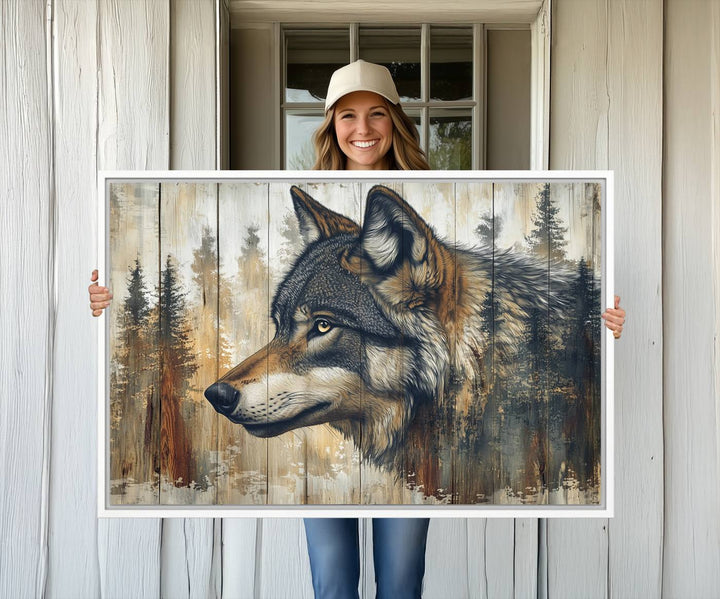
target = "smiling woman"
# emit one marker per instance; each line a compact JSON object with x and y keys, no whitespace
{"x":365,"y":128}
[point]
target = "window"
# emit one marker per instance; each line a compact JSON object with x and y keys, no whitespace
{"x":468,"y":88}
{"x":435,"y":70}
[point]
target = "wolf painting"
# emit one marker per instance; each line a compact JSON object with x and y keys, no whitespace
{"x":400,"y":340}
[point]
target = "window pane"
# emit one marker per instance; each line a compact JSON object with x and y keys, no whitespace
{"x":311,"y":58}
{"x":450,"y":139}
{"x":399,"y":51}
{"x":299,"y":149}
{"x":451,"y":56}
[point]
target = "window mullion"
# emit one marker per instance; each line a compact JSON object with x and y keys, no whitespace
{"x":354,"y":41}
{"x":425,"y":85}
{"x":280,"y":62}
{"x":479,"y":111}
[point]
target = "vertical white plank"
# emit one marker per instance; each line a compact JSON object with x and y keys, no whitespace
{"x":132,"y":134}
{"x":500,"y":556}
{"x":476,"y":582}
{"x":540,"y":88}
{"x":635,"y":88}
{"x":133,"y":119}
{"x":577,"y":552}
{"x":715,"y":194}
{"x":26,"y":286}
{"x":692,"y":319}
{"x":222,"y":67}
{"x":239,"y":557}
{"x":193,"y":106}
{"x":491,"y":558}
{"x":73,"y":568}
{"x":446,"y":559}
{"x":607,"y":85}
{"x":187,"y":544}
{"x":525,"y":573}
{"x":284,"y":565}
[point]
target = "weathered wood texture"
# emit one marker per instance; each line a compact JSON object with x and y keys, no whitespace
{"x":190,"y":567}
{"x":606,"y":112}
{"x":27,"y":279}
{"x":73,"y":568}
{"x":132,"y":130}
{"x":691,"y":251}
{"x":635,"y":84}
{"x":110,"y":109}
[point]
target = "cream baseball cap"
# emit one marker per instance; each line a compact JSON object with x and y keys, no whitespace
{"x":361,"y":76}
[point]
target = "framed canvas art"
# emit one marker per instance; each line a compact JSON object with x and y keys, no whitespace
{"x":342,"y":344}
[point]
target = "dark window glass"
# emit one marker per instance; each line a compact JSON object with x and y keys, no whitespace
{"x":451,"y":63}
{"x":311,"y":57}
{"x":399,"y":51}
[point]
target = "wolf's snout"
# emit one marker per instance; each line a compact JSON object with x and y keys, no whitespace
{"x":223,"y":397}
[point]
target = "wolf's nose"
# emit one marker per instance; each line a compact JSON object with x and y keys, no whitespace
{"x":223,"y":397}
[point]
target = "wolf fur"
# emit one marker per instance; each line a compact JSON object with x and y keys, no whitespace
{"x":380,"y":333}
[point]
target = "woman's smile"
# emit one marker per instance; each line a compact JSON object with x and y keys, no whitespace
{"x":364,"y":144}
{"x":364,"y":130}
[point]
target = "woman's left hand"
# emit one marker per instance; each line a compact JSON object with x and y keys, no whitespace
{"x":615,"y":318}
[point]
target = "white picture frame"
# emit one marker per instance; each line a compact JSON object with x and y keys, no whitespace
{"x":603,"y":508}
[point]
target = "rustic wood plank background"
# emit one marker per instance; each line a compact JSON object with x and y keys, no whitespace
{"x":88,"y":85}
{"x":163,"y":438}
{"x":132,"y":133}
{"x":691,"y":270}
{"x":72,"y":570}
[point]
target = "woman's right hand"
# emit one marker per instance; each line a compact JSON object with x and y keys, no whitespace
{"x":99,"y":296}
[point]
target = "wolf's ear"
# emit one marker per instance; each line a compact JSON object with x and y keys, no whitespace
{"x":317,"y":222}
{"x":398,"y":253}
{"x":393,"y":232}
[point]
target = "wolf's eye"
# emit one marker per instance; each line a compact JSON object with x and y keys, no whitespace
{"x":322,"y":326}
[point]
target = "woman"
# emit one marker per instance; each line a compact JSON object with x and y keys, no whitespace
{"x":365,"y":129}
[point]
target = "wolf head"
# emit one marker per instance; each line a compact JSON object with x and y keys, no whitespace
{"x":361,"y":329}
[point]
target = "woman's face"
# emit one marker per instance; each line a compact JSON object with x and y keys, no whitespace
{"x":364,"y":130}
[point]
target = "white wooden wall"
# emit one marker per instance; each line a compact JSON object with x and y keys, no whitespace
{"x":118,"y":84}
{"x":691,"y":297}
{"x":606,"y":113}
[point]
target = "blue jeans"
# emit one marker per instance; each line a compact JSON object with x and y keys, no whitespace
{"x":398,"y":552}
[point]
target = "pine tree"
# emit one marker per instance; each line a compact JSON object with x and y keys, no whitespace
{"x":251,"y":244}
{"x":206,"y":279}
{"x":251,"y":263}
{"x":489,"y":229}
{"x":132,"y":319}
{"x":578,"y":363}
{"x":177,"y":367}
{"x":135,"y":435}
{"x":581,"y":324}
{"x":292,"y":240}
{"x":547,"y":239}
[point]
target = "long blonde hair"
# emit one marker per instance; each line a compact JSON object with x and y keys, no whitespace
{"x":405,"y":154}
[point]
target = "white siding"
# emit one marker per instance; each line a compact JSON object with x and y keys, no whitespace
{"x":73,"y":561}
{"x":132,"y":130}
{"x":189,"y":565}
{"x":692,"y":315}
{"x":27,"y":315}
{"x":606,"y":113}
{"x":133,"y":85}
